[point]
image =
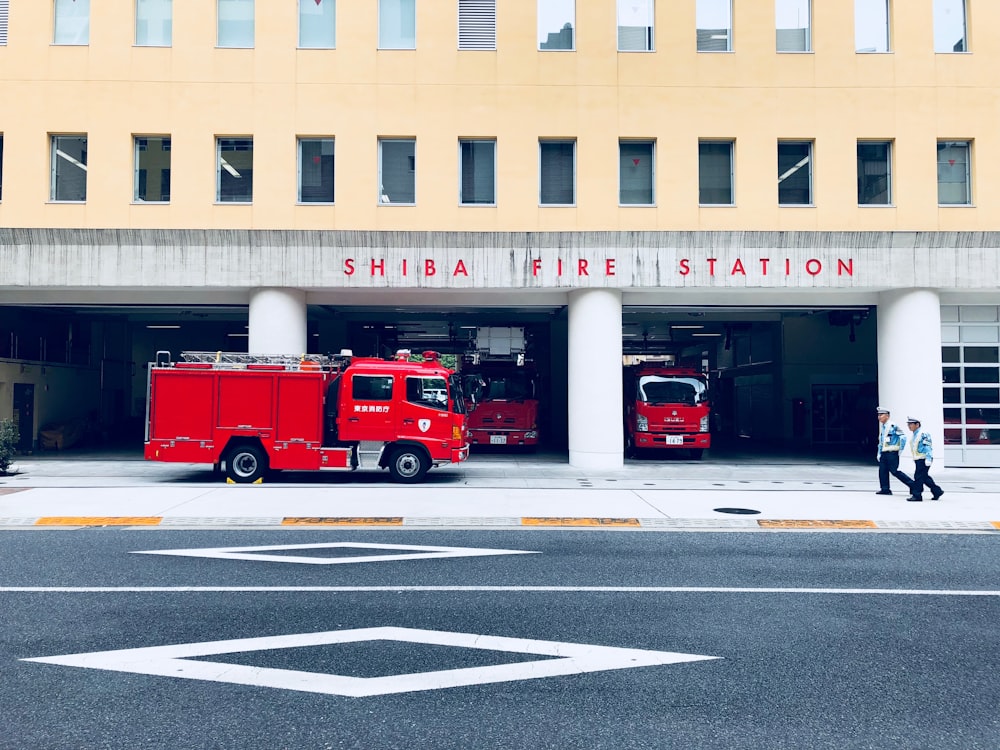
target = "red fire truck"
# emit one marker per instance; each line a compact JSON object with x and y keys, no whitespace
{"x":503,"y":386}
{"x":247,"y":414}
{"x":666,"y":407}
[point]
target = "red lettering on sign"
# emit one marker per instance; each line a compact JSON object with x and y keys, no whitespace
{"x":813,"y":267}
{"x":845,"y":266}
{"x":380,"y":265}
{"x":581,"y":268}
{"x":788,"y":267}
{"x":685,"y":266}
{"x":711,"y":266}
{"x":763,"y":265}
{"x":429,"y":269}
{"x":559,"y":266}
{"x":404,"y":266}
{"x":460,"y":269}
{"x":536,"y":265}
{"x":349,"y":266}
{"x":738,"y":268}
{"x":609,"y":267}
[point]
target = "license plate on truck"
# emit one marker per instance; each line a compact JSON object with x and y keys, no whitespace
{"x":498,"y":440}
{"x":674,"y":440}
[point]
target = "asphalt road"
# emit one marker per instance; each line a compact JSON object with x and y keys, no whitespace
{"x":806,"y":640}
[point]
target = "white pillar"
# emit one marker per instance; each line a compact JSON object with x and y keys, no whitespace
{"x":594,"y":391}
{"x":909,"y":363}
{"x":277,"y":322}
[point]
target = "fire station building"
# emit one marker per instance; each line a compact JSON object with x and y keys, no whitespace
{"x":801,"y":197}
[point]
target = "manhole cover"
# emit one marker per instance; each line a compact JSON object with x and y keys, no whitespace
{"x":738,"y":511}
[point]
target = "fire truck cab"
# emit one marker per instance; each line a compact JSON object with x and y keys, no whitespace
{"x":248,"y":414}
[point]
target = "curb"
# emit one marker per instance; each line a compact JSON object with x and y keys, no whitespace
{"x":497,"y":522}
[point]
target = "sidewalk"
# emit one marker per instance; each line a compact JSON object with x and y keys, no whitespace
{"x":497,"y":491}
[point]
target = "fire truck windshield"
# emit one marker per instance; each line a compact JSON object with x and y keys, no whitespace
{"x":515,"y":386}
{"x":660,"y":389}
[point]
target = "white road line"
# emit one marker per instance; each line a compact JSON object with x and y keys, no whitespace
{"x":500,"y":589}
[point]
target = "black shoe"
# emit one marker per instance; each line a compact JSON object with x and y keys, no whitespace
{"x":884,"y":492}
{"x":938,"y":495}
{"x":913,"y":499}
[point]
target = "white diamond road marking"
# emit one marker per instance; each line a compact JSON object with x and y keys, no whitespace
{"x":254,"y":553}
{"x":173,"y":661}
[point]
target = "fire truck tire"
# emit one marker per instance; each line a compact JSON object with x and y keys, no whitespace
{"x":408,"y":465}
{"x":246,"y":464}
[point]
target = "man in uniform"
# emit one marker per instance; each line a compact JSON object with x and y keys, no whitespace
{"x":891,"y":441}
{"x":920,"y":445}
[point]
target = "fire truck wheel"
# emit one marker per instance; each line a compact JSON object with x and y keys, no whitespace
{"x":408,"y":465}
{"x":246,"y":464}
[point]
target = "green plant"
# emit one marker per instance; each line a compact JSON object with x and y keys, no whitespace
{"x":8,"y":443}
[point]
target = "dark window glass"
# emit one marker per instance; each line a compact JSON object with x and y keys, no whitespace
{"x":371,"y":388}
{"x":874,"y":178}
{"x":795,"y":173}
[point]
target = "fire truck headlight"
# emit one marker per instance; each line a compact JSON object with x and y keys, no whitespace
{"x":703,"y":425}
{"x":642,"y":423}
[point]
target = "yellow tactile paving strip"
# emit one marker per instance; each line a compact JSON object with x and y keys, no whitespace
{"x":775,"y":523}
{"x":99,"y":521}
{"x":343,"y":521}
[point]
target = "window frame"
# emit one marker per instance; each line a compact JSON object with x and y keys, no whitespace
{"x":55,"y":154}
{"x":938,"y":11}
{"x":381,"y":43}
{"x":165,"y":140}
{"x":731,"y":143}
{"x":461,"y":173}
{"x":219,"y":22}
{"x":83,"y":30}
{"x":383,"y":196}
{"x":808,"y":28}
{"x":220,"y":166}
{"x":170,"y":24}
{"x":651,"y":142}
{"x":783,"y":175}
{"x":539,"y":30}
{"x":299,"y":141}
{"x":542,"y":143}
{"x":889,"y":171}
{"x":700,"y":8}
{"x":312,"y":3}
{"x":887,"y":6}
{"x":968,"y":144}
{"x":650,"y":29}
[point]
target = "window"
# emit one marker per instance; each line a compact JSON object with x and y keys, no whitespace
{"x":874,"y":173}
{"x":793,"y":25}
{"x":556,"y":22}
{"x":397,"y":170}
{"x":317,"y":24}
{"x":236,"y":23}
{"x":635,"y":173}
{"x":714,"y":22}
{"x":635,"y":26}
{"x":315,"y":169}
{"x":950,"y":33}
{"x":953,"y":173}
{"x":795,"y":173}
{"x":477,"y":170}
{"x":715,"y":173}
{"x":871,"y":25}
{"x":154,"y":23}
{"x":557,"y":173}
{"x":371,"y":388}
{"x":152,"y":169}
{"x":69,"y":168}
{"x":397,"y":24}
{"x":427,"y":391}
{"x":477,"y":24}
{"x":234,"y":170}
{"x":72,"y":22}
{"x":4,"y":7}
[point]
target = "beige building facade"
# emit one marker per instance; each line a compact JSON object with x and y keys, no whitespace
{"x":777,"y":171}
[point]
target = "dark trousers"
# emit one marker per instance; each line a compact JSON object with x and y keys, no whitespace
{"x":888,"y":464}
{"x":921,"y":479}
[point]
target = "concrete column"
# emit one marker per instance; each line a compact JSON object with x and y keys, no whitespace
{"x":909,"y":363}
{"x":594,"y":391}
{"x":277,"y":322}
